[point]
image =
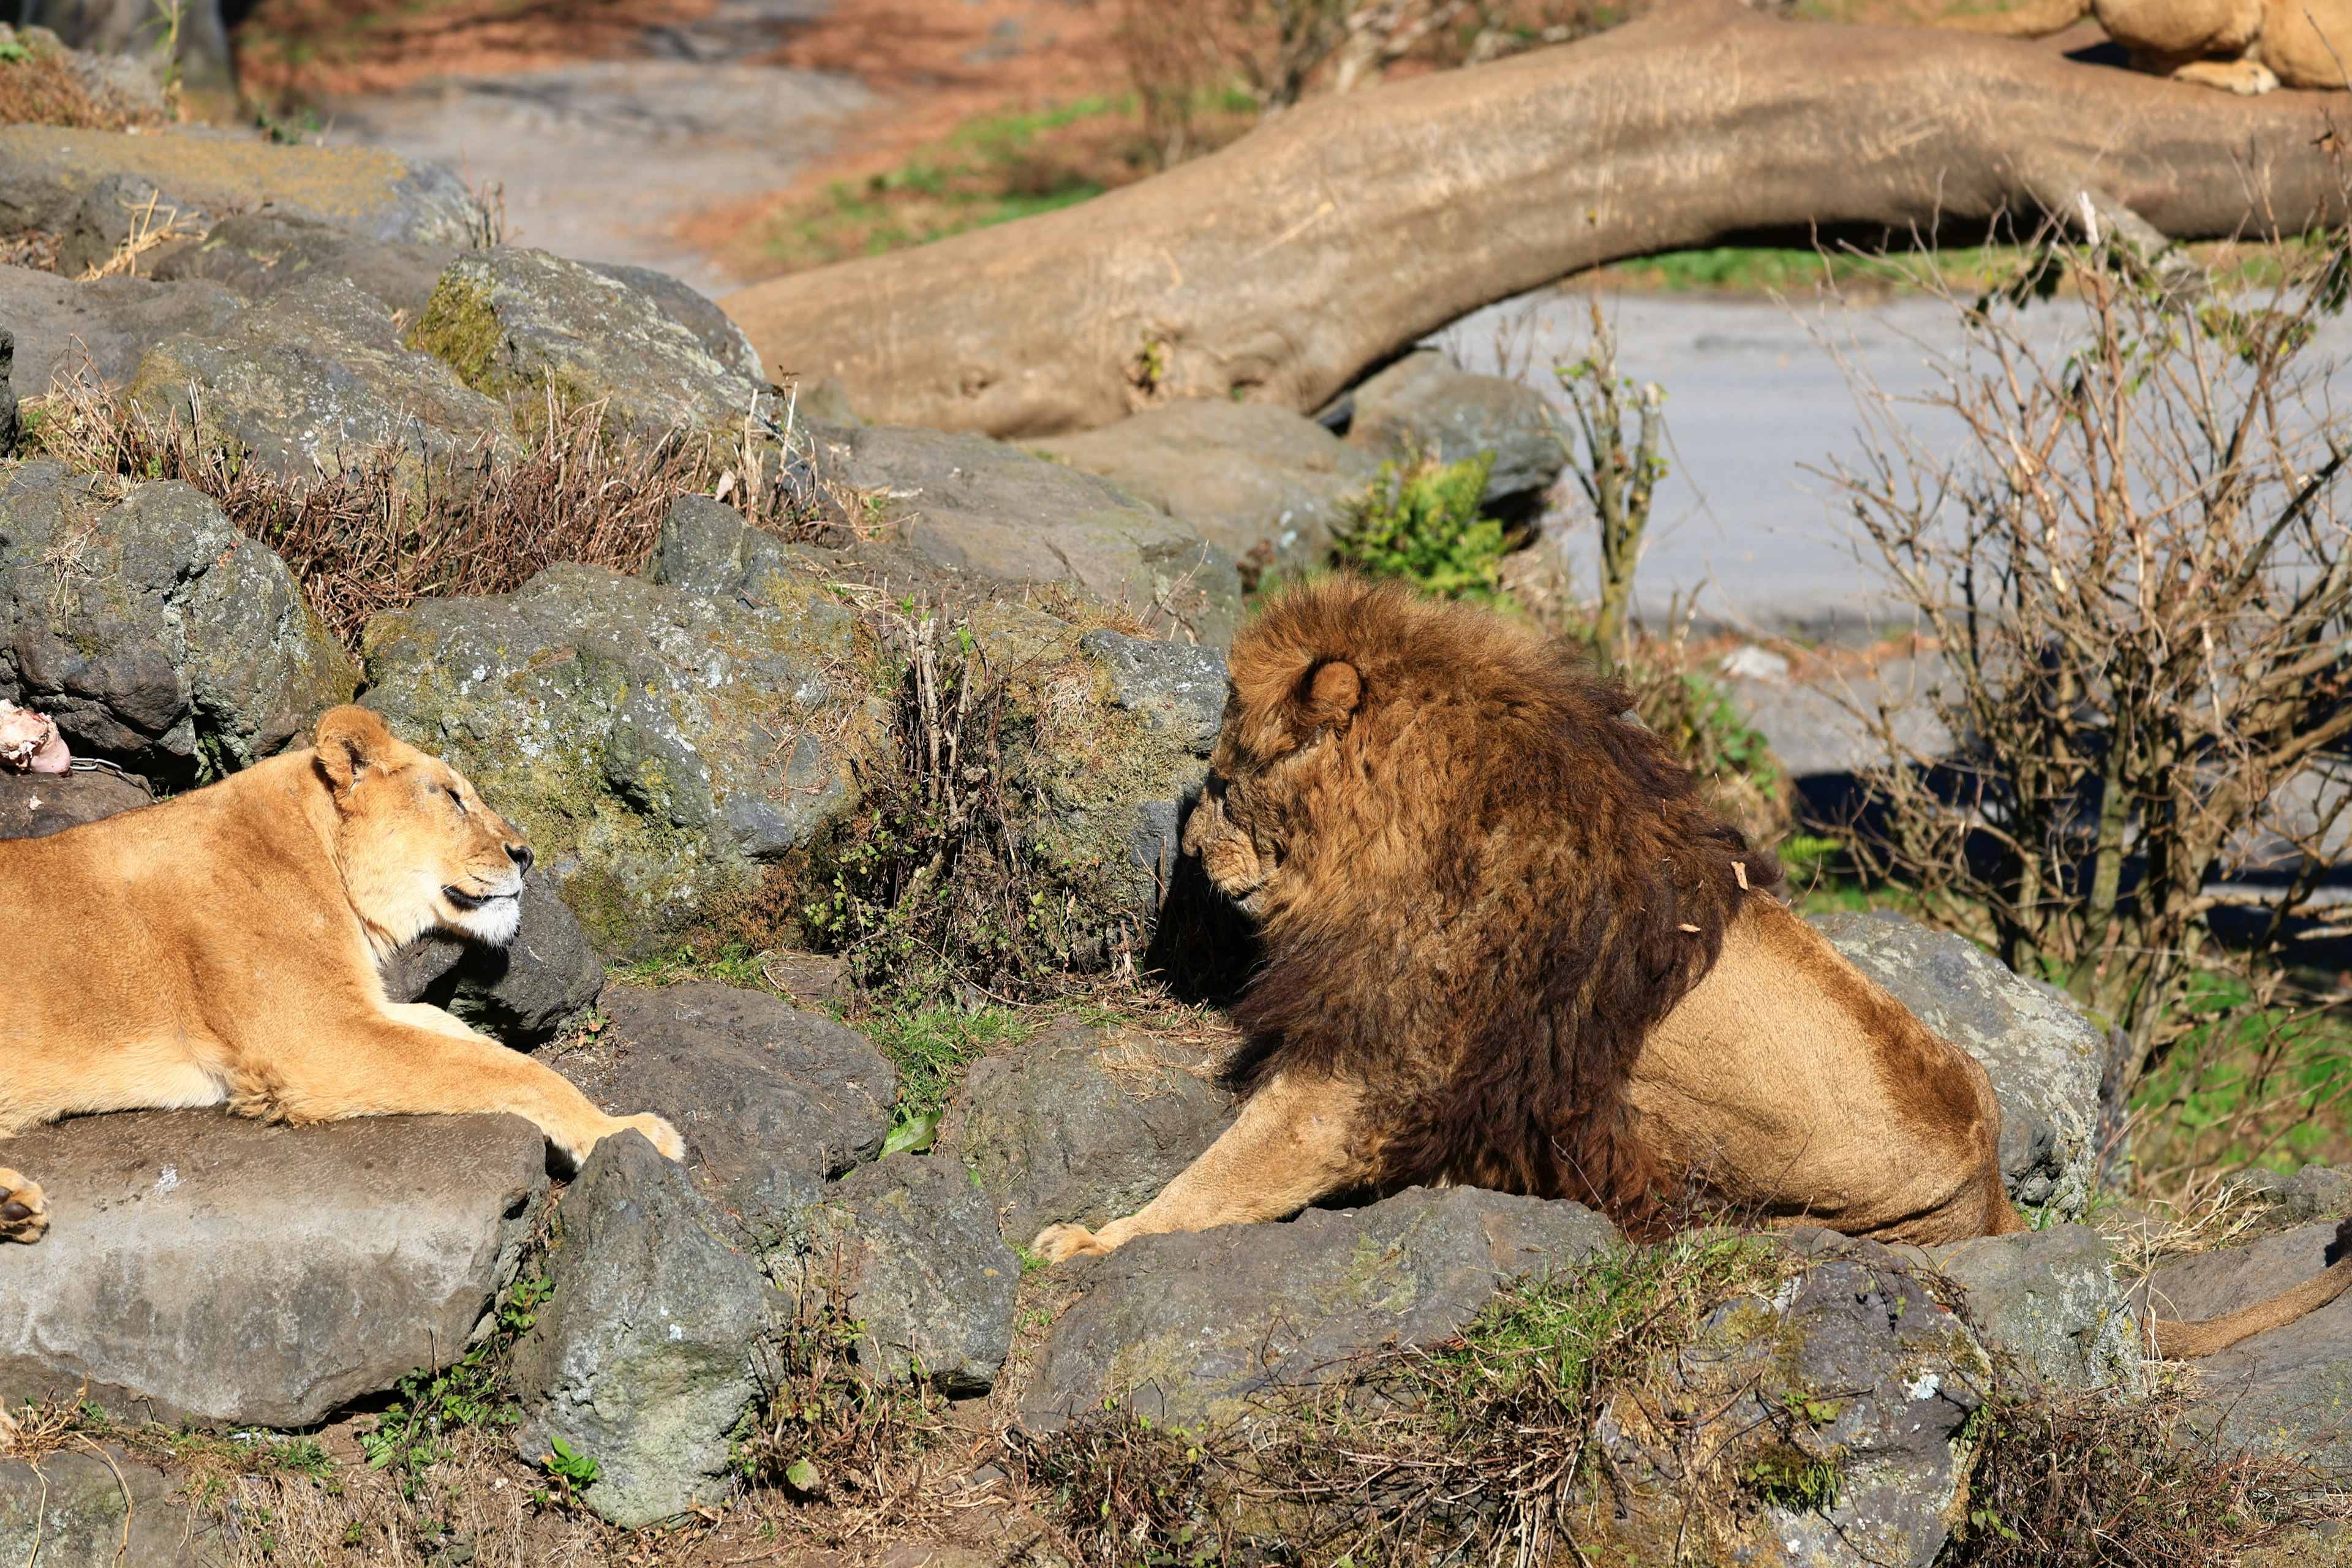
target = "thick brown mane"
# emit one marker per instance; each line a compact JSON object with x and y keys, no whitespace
{"x":1490,"y":881}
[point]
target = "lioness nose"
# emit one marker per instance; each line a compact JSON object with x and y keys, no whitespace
{"x":520,"y":855}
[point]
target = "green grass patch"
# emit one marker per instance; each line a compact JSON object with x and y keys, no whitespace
{"x":2252,"y":1081}
{"x":932,"y":1046}
{"x":733,"y":963}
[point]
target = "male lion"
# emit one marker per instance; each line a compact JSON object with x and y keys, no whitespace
{"x":2239,"y":45}
{"x":1507,"y":945}
{"x":222,"y":947}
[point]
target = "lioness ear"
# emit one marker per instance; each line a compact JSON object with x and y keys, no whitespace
{"x":351,"y":741}
{"x":1330,"y":696}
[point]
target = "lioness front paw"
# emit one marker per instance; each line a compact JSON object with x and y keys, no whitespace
{"x":1060,"y":1242}
{"x":659,"y":1133}
{"x":23,"y":1212}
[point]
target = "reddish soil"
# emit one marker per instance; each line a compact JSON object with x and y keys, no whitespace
{"x":299,"y":51}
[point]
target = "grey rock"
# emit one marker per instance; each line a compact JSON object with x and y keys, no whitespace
{"x":643,"y":1359}
{"x":314,"y":379}
{"x":118,"y":208}
{"x":152,"y":631}
{"x":1081,"y":1125}
{"x":1259,"y":481}
{"x":913,"y":1244}
{"x":1185,"y":1328}
{"x":203,"y":1265}
{"x":973,"y":505}
{"x":2044,"y":1057}
{"x":34,"y":805}
{"x":11,"y":425}
{"x":46,"y":173}
{"x":523,"y":992}
{"x":1177,"y":688}
{"x":770,"y":1101}
{"x":711,"y":327}
{"x":2289,"y":1390}
{"x":1851,"y":1367}
{"x":73,"y":1507}
{"x":97,"y":332}
{"x":2050,"y":1299}
{"x":255,"y":255}
{"x":658,"y":745}
{"x":1424,"y":403}
{"x":705,"y":547}
{"x":513,"y":321}
{"x":2312,"y":1193}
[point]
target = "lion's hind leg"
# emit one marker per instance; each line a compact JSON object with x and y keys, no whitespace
{"x":24,"y":1211}
{"x":1295,"y":1141}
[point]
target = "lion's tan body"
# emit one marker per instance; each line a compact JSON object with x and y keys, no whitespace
{"x":222,"y":947}
{"x":2239,"y":46}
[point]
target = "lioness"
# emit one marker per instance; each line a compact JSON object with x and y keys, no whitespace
{"x":2239,"y":45}
{"x":1507,"y":945}
{"x":223,"y":948}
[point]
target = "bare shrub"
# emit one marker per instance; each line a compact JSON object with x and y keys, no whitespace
{"x":2133,"y":567}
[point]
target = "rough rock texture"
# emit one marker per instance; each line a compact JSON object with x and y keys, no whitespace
{"x":99,"y":331}
{"x":720,"y":337}
{"x":1082,"y":1124}
{"x":156,"y":635}
{"x":1178,"y":690}
{"x":202,"y":1264}
{"x":770,"y":1101}
{"x":2044,"y":1057}
{"x":117,"y":210}
{"x":913,"y":1243}
{"x":642,"y":1359}
{"x":658,"y":745}
{"x":971,"y":504}
{"x":2290,"y":1389}
{"x":1186,"y":1328}
{"x":2312,"y":1193}
{"x":45,"y":173}
{"x":256,"y":254}
{"x":1260,"y":482}
{"x":69,"y":1508}
{"x":1426,"y":403}
{"x":34,"y":805}
{"x":534,"y":987}
{"x":2050,"y":1299}
{"x":315,"y":377}
{"x":1851,"y":1369}
{"x":705,"y":547}
{"x":512,"y":321}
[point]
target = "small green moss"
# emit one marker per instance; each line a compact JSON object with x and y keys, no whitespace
{"x":460,"y":329}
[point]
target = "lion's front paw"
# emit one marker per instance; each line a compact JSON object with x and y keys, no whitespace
{"x":23,"y":1212}
{"x":659,"y":1133}
{"x":1060,"y":1242}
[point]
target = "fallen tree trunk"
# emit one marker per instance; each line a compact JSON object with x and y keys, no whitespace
{"x":1281,"y":268}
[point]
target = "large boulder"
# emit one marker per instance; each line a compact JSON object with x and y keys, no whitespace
{"x":2289,"y":1390}
{"x":315,"y":379}
{"x":711,"y":327}
{"x":68,"y":333}
{"x":46,"y":174}
{"x":206,"y":1267}
{"x":643,"y":1358}
{"x":518,"y":323}
{"x":1082,"y":1124}
{"x":911,"y":1246}
{"x":2044,"y":1057}
{"x":661,"y":747}
{"x":152,"y":631}
{"x":2050,"y":1302}
{"x":772,"y":1101}
{"x":994,"y":511}
{"x":1425,"y":404}
{"x":1186,"y":1328}
{"x":1260,"y":482}
{"x":255,"y":255}
{"x":1835,"y":1410}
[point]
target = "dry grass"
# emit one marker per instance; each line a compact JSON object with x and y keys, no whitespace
{"x":40,"y":89}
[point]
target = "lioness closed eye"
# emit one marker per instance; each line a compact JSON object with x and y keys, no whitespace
{"x":222,"y":947}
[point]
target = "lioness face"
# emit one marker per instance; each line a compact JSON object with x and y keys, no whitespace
{"x":420,"y":850}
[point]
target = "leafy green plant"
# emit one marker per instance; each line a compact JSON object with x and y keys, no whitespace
{"x":14,"y":53}
{"x":1618,"y":474}
{"x":573,"y":1469}
{"x":433,"y":1402}
{"x":1418,"y":522}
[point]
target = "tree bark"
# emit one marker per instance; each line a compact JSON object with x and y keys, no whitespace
{"x":1281,"y":268}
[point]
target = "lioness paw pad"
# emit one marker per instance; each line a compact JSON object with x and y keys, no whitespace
{"x":1060,"y":1242}
{"x":23,"y":1212}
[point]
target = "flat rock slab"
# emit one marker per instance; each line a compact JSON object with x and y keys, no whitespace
{"x":2290,"y":1389}
{"x":71,"y":1508}
{"x":1083,"y":1125}
{"x":200,"y":1265}
{"x":770,"y":1101}
{"x":1187,"y":1327}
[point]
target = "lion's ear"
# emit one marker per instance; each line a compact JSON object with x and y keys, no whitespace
{"x":1330,"y":696}
{"x":351,"y":740}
